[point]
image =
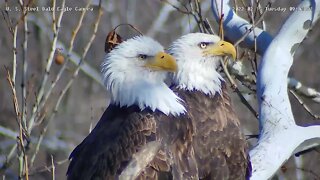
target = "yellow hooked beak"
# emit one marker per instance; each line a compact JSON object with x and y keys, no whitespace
{"x":221,"y":48}
{"x":163,"y":62}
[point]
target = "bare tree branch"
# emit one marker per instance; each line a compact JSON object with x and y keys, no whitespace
{"x":303,"y":90}
{"x":55,"y":28}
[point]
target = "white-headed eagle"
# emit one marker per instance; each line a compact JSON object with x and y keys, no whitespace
{"x":219,"y":146}
{"x":143,"y":109}
{"x":198,"y":131}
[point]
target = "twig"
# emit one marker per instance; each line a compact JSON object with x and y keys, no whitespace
{"x":303,"y":90}
{"x":23,"y":163}
{"x":221,"y":33}
{"x":82,"y":59}
{"x":177,"y":8}
{"x":74,"y":57}
{"x":7,"y":18}
{"x":24,"y":12}
{"x":236,"y":89}
{"x":26,"y":169}
{"x":8,"y":132}
{"x":9,"y":158}
{"x":309,"y":171}
{"x":304,"y":105}
{"x":246,"y":8}
{"x":48,"y":143}
{"x":16,"y":107}
{"x":158,"y":23}
{"x":259,"y":9}
{"x":37,"y":148}
{"x":236,"y":6}
{"x":297,"y":154}
{"x":55,"y":28}
{"x":64,"y":67}
{"x":235,"y":27}
{"x":24,"y":66}
{"x":53,"y":168}
{"x":55,"y":110}
{"x":48,"y":168}
{"x":299,"y":162}
{"x":254,"y":60}
{"x":14,"y":49}
{"x":238,"y":70}
{"x":252,"y":136}
{"x":14,"y":94}
{"x":196,"y":15}
{"x":252,"y":27}
{"x":208,"y":26}
{"x":205,"y":6}
{"x":199,"y":14}
{"x":130,"y":25}
{"x":246,"y":84}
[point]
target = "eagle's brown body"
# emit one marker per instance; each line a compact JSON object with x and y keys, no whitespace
{"x":206,"y":143}
{"x":221,"y":151}
{"x":122,"y":132}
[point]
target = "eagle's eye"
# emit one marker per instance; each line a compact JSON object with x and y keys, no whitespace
{"x":203,"y":45}
{"x":142,"y":56}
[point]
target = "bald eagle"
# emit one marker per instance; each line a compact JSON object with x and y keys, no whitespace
{"x":198,"y":131}
{"x":220,"y":148}
{"x":143,"y":109}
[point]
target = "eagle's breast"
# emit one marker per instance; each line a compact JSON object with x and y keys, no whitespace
{"x":219,"y":145}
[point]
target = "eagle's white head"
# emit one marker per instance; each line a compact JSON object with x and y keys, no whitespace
{"x":134,"y":74}
{"x":198,"y":56}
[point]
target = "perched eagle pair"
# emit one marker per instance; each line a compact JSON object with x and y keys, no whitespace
{"x":193,"y":122}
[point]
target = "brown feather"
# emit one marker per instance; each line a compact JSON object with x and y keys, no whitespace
{"x":122,"y":132}
{"x":221,"y":151}
{"x":204,"y":144}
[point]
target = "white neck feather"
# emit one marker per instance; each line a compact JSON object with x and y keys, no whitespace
{"x":142,"y":87}
{"x":201,"y":76}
